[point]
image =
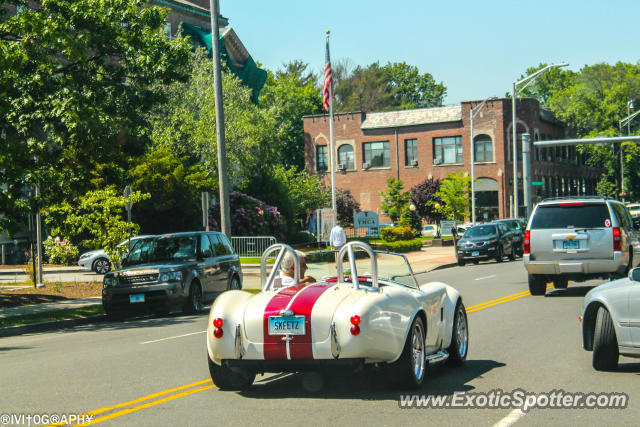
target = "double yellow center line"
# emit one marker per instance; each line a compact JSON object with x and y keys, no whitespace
{"x":200,"y":385}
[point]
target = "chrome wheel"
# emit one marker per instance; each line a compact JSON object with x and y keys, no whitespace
{"x":417,"y":351}
{"x":462,"y":335}
{"x":101,"y":266}
{"x":196,"y":298}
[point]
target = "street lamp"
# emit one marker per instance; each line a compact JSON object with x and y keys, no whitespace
{"x":472,"y":113}
{"x":627,"y":121}
{"x":514,"y":124}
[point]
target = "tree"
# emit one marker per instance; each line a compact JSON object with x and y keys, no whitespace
{"x":97,"y":218}
{"x":78,"y":78}
{"x":306,"y":192}
{"x":422,"y":194}
{"x":364,"y":90}
{"x":346,"y":204}
{"x":175,"y":185}
{"x":251,"y":217}
{"x":411,"y":219}
{"x":394,"y":199}
{"x":411,"y":89}
{"x":605,"y":188}
{"x":454,"y":194}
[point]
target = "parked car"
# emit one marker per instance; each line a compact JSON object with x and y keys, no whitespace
{"x":374,"y":314}
{"x":485,"y":241}
{"x":180,"y":270}
{"x":610,"y":319}
{"x":517,"y":226}
{"x":429,"y":231}
{"x":98,"y":261}
{"x":578,"y":239}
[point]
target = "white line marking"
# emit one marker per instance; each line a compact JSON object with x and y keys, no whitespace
{"x":171,"y":338}
{"x":510,"y":419}
{"x":486,"y":277}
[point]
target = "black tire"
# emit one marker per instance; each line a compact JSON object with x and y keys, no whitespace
{"x":409,"y":371}
{"x":459,"y":347}
{"x":113,"y":313}
{"x":234,"y":283}
{"x":101,"y":266}
{"x":194,"y":302}
{"x":499,"y":254}
{"x":537,"y":285}
{"x":560,"y":283}
{"x":605,"y":343}
{"x":630,"y":265}
{"x":512,"y":255}
{"x":230,"y":378}
{"x":476,"y":261}
{"x":461,"y":262}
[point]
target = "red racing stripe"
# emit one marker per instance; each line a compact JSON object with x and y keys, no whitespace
{"x":274,"y":347}
{"x":300,"y":345}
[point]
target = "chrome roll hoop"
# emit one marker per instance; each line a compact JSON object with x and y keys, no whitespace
{"x":349,"y":249}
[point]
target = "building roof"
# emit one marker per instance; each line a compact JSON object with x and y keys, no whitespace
{"x":419,"y":116}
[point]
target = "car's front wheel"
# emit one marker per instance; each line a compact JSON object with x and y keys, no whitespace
{"x":461,"y":262}
{"x":537,"y":285}
{"x":605,"y":343}
{"x":101,"y":266}
{"x":194,"y":303}
{"x":499,"y":254}
{"x":459,"y":336}
{"x":411,"y":367}
{"x":234,"y":284}
{"x":230,"y":378}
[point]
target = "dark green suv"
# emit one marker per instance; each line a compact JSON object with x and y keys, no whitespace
{"x":179,"y":270}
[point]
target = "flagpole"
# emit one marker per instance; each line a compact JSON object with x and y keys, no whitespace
{"x":331,"y":142}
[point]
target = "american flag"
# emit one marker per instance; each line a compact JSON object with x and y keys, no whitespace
{"x":328,"y":79}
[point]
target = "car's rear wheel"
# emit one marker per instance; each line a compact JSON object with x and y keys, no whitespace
{"x":537,"y":285}
{"x":605,"y":343}
{"x":194,"y":303}
{"x":101,"y":266}
{"x":459,"y":336}
{"x":630,"y":265}
{"x":476,"y":261}
{"x":499,"y":254}
{"x":560,"y":283}
{"x":409,"y":370}
{"x":230,"y":378}
{"x":512,"y":255}
{"x":234,"y":284}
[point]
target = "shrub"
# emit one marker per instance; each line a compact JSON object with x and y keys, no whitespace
{"x":400,"y":246}
{"x":251,"y":217}
{"x":60,"y":251}
{"x":393,"y":234}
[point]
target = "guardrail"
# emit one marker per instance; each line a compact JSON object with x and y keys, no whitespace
{"x":252,"y":246}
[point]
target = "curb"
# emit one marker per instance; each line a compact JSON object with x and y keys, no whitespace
{"x":11,"y":331}
{"x":21,"y":272}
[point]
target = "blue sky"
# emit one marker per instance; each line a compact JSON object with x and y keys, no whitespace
{"x":476,"y":48}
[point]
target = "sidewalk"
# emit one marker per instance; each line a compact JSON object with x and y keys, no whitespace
{"x":23,"y":310}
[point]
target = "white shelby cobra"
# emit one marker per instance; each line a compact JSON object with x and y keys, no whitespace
{"x":611,"y":321}
{"x":345,"y":319}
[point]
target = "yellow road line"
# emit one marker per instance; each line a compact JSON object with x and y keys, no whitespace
{"x":497,"y":301}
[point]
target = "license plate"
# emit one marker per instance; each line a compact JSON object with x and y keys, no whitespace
{"x":286,"y":325}
{"x":476,"y":253}
{"x":136,"y":298}
{"x":571,"y":244}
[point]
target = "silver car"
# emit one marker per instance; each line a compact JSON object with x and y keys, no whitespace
{"x":578,"y":239}
{"x":98,"y":261}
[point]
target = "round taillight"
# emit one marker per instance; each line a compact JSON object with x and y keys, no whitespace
{"x":355,"y":330}
{"x":355,"y":320}
{"x":217,"y":322}
{"x":217,"y":333}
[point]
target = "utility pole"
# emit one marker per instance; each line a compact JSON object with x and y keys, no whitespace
{"x":223,"y":179}
{"x":526,"y":172}
{"x":38,"y":283}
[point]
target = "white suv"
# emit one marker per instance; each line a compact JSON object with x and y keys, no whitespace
{"x":578,"y":238}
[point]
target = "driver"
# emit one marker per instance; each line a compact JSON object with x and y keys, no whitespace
{"x":287,"y":270}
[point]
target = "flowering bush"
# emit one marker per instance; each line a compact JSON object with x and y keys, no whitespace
{"x":249,"y":216}
{"x":60,"y":251}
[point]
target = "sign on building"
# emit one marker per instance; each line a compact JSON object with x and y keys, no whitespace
{"x":327,"y":220}
{"x":365,"y":219}
{"x":446,"y":226}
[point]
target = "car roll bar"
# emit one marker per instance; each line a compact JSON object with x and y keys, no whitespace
{"x":268,"y":284}
{"x":348,"y":248}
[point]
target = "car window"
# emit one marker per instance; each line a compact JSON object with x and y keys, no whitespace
{"x":140,"y":251}
{"x":481,"y":230}
{"x":620,"y":214}
{"x":205,"y":245}
{"x":571,"y":215}
{"x":219,"y":245}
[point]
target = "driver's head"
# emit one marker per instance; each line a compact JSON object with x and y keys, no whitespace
{"x":288,"y":263}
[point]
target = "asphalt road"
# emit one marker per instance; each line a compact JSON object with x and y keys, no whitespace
{"x":153,"y":371}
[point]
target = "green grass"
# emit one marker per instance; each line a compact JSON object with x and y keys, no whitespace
{"x":443,"y":238}
{"x":50,"y":316}
{"x":254,"y":260}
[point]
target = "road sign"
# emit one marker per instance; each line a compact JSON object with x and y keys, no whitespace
{"x":540,"y":183}
{"x":127,"y":193}
{"x":446,"y":227}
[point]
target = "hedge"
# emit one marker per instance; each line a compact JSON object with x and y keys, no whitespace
{"x":400,"y":246}
{"x":394,"y":234}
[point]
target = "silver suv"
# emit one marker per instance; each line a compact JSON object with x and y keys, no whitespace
{"x":578,"y":239}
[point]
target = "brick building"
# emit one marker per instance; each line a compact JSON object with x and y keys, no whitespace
{"x":414,"y":145}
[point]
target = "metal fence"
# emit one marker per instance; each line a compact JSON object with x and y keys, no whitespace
{"x":252,"y":246}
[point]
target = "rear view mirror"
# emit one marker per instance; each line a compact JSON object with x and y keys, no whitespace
{"x":635,"y":274}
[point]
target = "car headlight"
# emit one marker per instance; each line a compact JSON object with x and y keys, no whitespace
{"x":85,"y":256}
{"x":171,"y":276}
{"x":110,"y":281}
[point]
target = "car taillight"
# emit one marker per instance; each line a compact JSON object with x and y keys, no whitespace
{"x":355,"y":320}
{"x":527,"y":244}
{"x":217,"y":322}
{"x":355,"y":330}
{"x":217,"y":333}
{"x":617,"y":239}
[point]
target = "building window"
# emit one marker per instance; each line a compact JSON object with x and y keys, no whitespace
{"x":410,"y":152}
{"x":345,"y":157}
{"x":483,"y":148}
{"x":447,"y":150}
{"x":376,"y":154}
{"x":167,"y":30}
{"x":321,"y":158}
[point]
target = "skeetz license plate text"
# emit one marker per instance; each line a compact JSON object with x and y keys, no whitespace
{"x":286,"y":325}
